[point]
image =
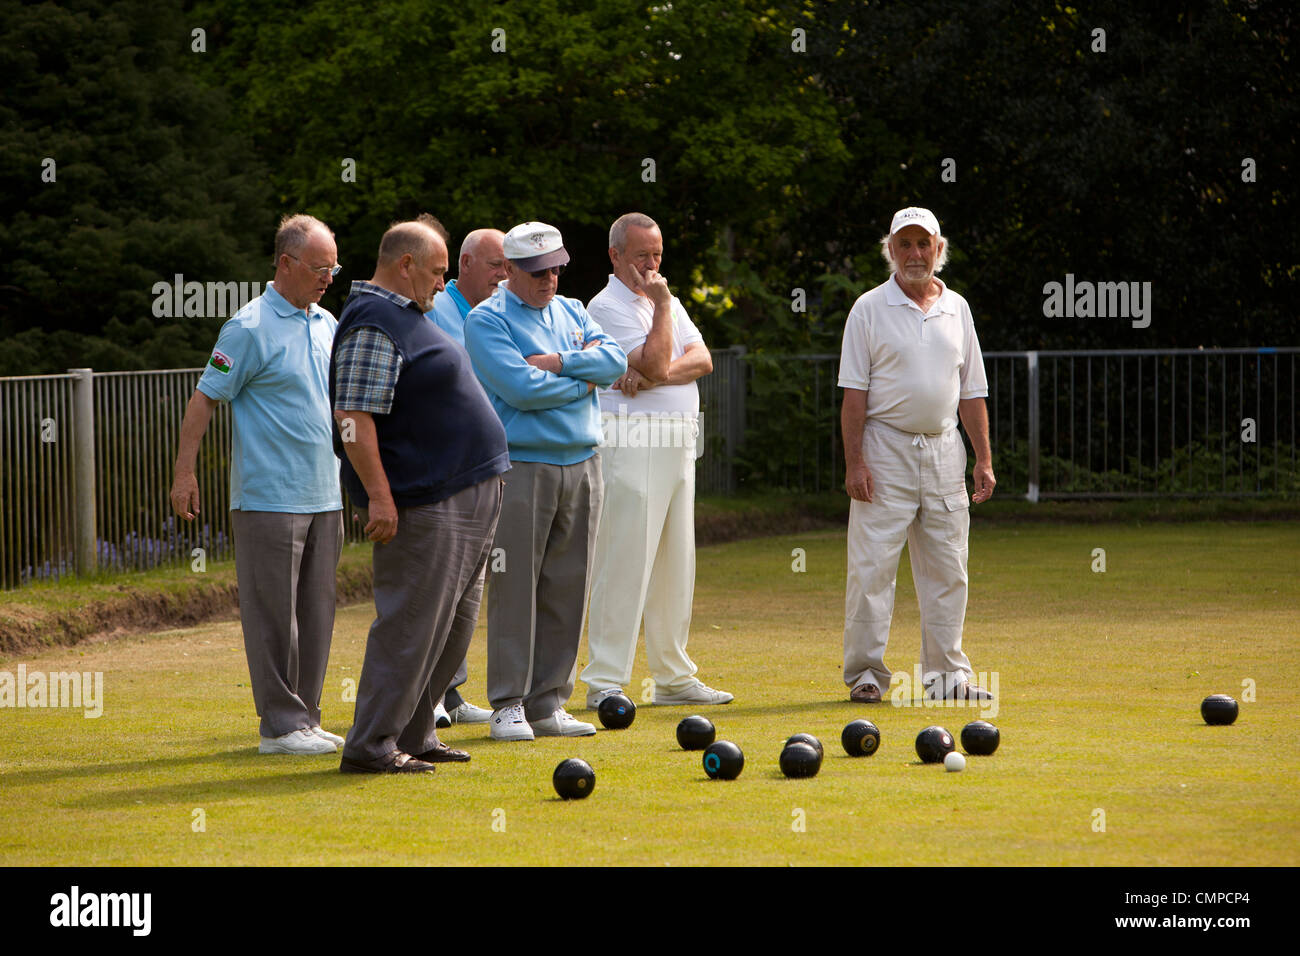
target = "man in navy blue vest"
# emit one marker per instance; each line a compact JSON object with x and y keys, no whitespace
{"x":423,"y":454}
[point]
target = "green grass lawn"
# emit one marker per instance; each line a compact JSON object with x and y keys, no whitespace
{"x":1100,"y":676}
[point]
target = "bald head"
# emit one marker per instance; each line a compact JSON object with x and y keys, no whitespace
{"x":416,"y":238}
{"x":413,"y":260}
{"x":482,"y":264}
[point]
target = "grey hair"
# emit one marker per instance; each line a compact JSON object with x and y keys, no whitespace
{"x":618,"y":231}
{"x":939,"y":263}
{"x":294,"y":232}
{"x":412,"y":237}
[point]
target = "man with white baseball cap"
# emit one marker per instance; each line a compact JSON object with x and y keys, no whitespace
{"x":540,"y":357}
{"x":910,"y":365}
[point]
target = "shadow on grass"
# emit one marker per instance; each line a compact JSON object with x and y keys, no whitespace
{"x":232,"y":774}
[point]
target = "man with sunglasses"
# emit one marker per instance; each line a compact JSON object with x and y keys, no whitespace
{"x":540,"y":357}
{"x":271,"y":363}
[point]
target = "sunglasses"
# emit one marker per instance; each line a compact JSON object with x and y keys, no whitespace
{"x":558,"y":270}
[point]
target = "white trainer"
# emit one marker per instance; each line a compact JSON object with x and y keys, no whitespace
{"x":441,"y":718}
{"x":324,"y":734}
{"x":508,"y":724}
{"x":296,"y":742}
{"x":562,"y":724}
{"x":467,"y":713}
{"x":594,"y":697}
{"x":696,"y":693}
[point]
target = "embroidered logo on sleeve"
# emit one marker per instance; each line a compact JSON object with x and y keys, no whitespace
{"x":221,"y":362}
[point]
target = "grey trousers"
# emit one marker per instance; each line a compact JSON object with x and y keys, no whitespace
{"x":536,"y":605}
{"x":285,"y":566}
{"x":428,"y":585}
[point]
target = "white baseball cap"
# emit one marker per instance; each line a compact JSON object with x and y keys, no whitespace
{"x":535,"y":245}
{"x":915,"y":216}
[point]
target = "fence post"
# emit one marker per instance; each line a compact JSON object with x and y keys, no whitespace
{"x":83,"y":446}
{"x":1032,"y":358}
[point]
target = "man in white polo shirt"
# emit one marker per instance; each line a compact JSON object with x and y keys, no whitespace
{"x":910,"y":364}
{"x":271,"y":363}
{"x":645,"y":547}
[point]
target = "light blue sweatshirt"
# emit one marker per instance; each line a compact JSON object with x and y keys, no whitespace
{"x":548,"y":418}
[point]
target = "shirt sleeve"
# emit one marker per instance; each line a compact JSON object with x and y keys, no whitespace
{"x":366,"y":371}
{"x":855,"y":354}
{"x":690,"y":334}
{"x":235,"y":359}
{"x":974,"y":382}
{"x":621,"y":324}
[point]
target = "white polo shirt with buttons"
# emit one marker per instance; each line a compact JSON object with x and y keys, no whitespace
{"x":915,"y":366}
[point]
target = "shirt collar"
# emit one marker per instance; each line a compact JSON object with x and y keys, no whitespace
{"x":894,"y":295}
{"x":284,"y":308}
{"x":620,"y":288}
{"x":462,"y":304}
{"x":361,"y":287}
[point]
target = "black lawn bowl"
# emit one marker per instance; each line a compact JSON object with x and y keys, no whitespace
{"x":1219,"y":709}
{"x":861,"y":738}
{"x":723,"y":760}
{"x":800,"y":760}
{"x":616,"y":712}
{"x":808,"y":739}
{"x":695,"y":733}
{"x":979,"y":738}
{"x":574,"y":779}
{"x":933,"y":744}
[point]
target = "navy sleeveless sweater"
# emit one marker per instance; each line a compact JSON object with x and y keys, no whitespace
{"x":441,"y":435}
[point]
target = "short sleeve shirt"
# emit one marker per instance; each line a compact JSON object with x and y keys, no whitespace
{"x":914,"y":366}
{"x":628,"y":318}
{"x":271,"y":363}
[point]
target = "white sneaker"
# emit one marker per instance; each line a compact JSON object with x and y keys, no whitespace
{"x":594,"y":697}
{"x":467,"y":713}
{"x":508,"y":724}
{"x":324,"y":734}
{"x":562,"y":724}
{"x":440,"y":716}
{"x":296,"y":742}
{"x":697,"y":693}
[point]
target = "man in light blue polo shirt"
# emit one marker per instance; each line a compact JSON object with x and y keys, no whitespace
{"x":540,"y":357}
{"x":481,"y":266}
{"x":271,"y":362}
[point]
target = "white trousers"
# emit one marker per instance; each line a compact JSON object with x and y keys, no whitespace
{"x":919,"y":496}
{"x":644,"y":562}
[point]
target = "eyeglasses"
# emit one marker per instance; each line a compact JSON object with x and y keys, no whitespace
{"x":558,"y":270}
{"x":322,"y":271}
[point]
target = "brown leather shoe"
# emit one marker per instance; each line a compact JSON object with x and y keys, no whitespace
{"x":443,"y":754}
{"x":865,"y":694}
{"x":394,"y":762}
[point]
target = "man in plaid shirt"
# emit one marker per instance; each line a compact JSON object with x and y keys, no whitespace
{"x":423,"y":453}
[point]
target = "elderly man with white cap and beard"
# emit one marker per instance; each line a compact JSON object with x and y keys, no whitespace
{"x":910,"y":364}
{"x":540,"y":357}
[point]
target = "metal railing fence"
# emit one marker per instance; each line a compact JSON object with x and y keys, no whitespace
{"x":1065,"y":424}
{"x":86,"y":459}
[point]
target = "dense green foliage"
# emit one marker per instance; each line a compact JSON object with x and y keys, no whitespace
{"x":782,"y":136}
